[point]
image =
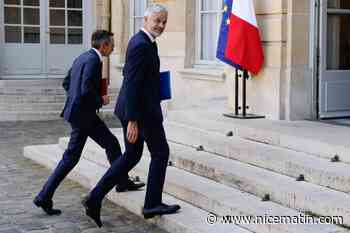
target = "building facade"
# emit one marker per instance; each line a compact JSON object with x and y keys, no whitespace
{"x":306,"y":43}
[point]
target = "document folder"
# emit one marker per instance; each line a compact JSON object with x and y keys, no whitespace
{"x":165,"y":85}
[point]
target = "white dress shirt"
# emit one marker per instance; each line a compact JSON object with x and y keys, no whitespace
{"x":98,"y":53}
{"x":149,"y":35}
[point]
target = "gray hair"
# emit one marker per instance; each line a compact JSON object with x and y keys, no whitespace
{"x":155,"y":8}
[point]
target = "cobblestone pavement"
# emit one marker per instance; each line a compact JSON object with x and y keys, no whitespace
{"x":21,"y":179}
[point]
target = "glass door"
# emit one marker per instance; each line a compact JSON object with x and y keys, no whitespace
{"x":22,"y":39}
{"x":65,"y":34}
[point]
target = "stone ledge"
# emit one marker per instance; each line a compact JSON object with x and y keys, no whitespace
{"x":213,"y":75}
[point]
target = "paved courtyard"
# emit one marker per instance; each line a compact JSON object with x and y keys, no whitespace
{"x":21,"y":179}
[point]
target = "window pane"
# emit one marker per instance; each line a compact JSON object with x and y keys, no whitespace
{"x":57,"y":36}
{"x":208,"y":35}
{"x":31,"y":16}
{"x":13,"y":2}
{"x":57,"y":3}
{"x":75,"y":36}
{"x":338,"y":42}
{"x":209,"y":5}
{"x":13,"y":15}
{"x":339,"y":4}
{"x":57,"y":18}
{"x":75,"y":18}
{"x":31,"y":2}
{"x":140,"y":7}
{"x":13,"y":34}
{"x":75,"y":4}
{"x":138,"y":23}
{"x":32,"y":35}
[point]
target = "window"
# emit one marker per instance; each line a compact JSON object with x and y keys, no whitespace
{"x":208,"y":20}
{"x":137,"y":10}
{"x":66,"y":21}
{"x":22,"y":21}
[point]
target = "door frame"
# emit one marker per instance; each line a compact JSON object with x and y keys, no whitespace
{"x":315,"y":55}
{"x":2,"y":38}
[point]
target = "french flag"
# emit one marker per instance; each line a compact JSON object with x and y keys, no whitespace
{"x":239,"y":43}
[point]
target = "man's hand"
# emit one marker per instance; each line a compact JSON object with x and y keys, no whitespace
{"x":132,"y":132}
{"x":105,"y":99}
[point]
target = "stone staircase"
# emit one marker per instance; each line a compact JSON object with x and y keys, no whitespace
{"x":236,"y":168}
{"x":26,"y":100}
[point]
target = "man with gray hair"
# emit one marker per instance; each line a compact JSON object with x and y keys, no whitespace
{"x":83,"y":86}
{"x":138,"y":108}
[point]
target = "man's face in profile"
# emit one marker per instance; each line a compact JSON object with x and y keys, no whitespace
{"x":107,"y":48}
{"x":155,"y":23}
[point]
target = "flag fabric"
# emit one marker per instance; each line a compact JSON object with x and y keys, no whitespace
{"x":239,"y":43}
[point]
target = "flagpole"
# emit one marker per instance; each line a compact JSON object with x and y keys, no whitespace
{"x":244,"y":114}
{"x":245,"y":77}
{"x":236,"y":92}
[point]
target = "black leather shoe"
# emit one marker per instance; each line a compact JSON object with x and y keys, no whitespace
{"x":46,"y":206}
{"x":93,"y":211}
{"x":161,"y":209}
{"x":130,"y":186}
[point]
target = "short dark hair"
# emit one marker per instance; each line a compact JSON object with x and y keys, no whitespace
{"x":100,"y":37}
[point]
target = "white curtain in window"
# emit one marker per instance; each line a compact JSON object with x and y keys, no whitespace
{"x":138,"y":8}
{"x":210,"y":13}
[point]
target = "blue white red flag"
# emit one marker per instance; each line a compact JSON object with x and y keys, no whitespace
{"x":239,"y":43}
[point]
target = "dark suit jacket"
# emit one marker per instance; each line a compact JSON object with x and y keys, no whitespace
{"x":82,"y":84}
{"x":139,"y":97}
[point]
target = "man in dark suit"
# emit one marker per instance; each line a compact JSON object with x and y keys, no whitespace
{"x":138,"y":108}
{"x":83,"y":100}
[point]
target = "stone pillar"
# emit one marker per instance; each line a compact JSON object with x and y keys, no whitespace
{"x":298,"y":73}
{"x":106,"y":25}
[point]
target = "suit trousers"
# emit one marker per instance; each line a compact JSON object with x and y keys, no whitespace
{"x":99,"y":132}
{"x":155,"y":138}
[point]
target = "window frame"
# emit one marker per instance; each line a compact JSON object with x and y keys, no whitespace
{"x":66,"y":26}
{"x":132,"y":16}
{"x":21,"y":25}
{"x":198,"y":62}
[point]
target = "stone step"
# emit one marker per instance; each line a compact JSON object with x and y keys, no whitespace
{"x":320,"y":139}
{"x":34,"y":98}
{"x":189,"y":220}
{"x":292,"y":163}
{"x":20,"y":107}
{"x":43,"y":115}
{"x":198,"y":191}
{"x":42,"y":91}
{"x":29,"y":115}
{"x":35,"y":83}
{"x":282,"y":189}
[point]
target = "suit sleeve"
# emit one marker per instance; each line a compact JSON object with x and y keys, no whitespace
{"x":66,"y":81}
{"x":135,"y":75}
{"x":89,"y":92}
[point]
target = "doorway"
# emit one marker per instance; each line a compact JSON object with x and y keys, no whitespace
{"x":41,"y":38}
{"x":334,"y":63}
